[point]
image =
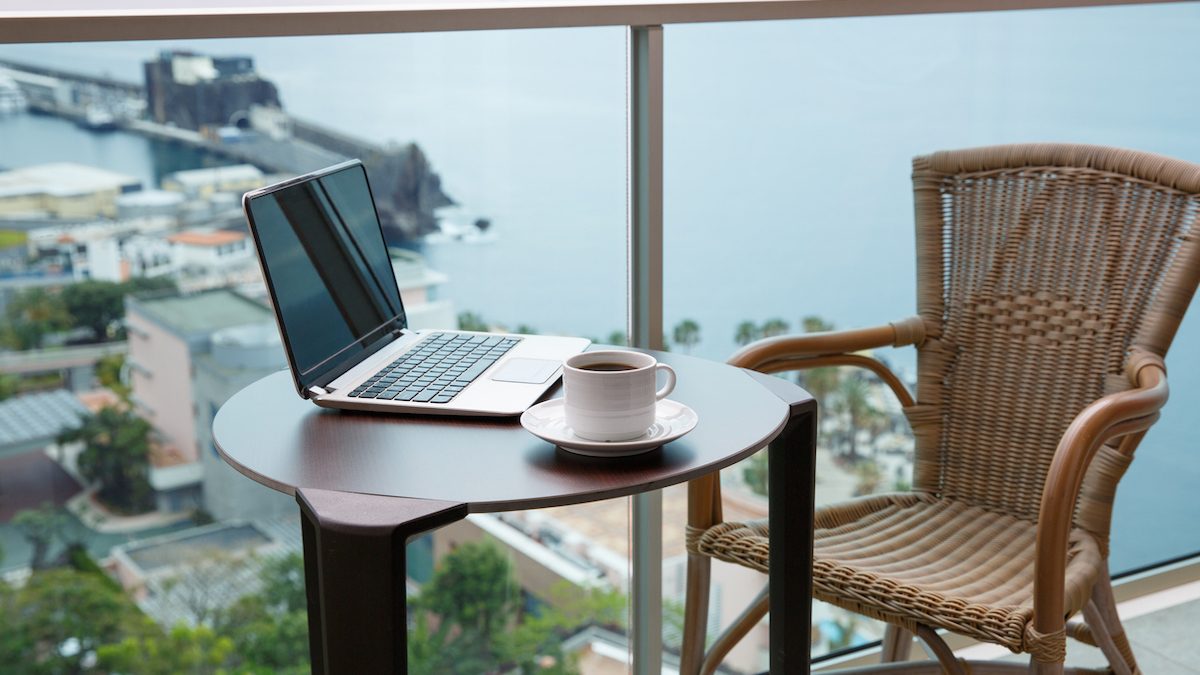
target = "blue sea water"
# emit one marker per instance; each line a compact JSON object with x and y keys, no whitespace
{"x":788,"y":149}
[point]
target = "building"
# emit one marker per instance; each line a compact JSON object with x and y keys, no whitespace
{"x":195,"y":91}
{"x":63,"y":190}
{"x":169,"y":337}
{"x":204,"y":183}
{"x":239,"y":355}
{"x":34,"y":421}
{"x":209,"y":249}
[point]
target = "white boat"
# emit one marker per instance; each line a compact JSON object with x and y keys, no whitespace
{"x":12,"y":99}
{"x":459,"y":228}
{"x":98,"y":119}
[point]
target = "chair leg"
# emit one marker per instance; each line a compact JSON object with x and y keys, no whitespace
{"x":1101,"y":616}
{"x":897,"y":643}
{"x":695,"y":614}
{"x":941,"y":651}
{"x":1038,"y":668}
{"x":737,"y":630}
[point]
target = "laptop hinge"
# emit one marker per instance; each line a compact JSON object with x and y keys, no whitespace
{"x":317,"y":391}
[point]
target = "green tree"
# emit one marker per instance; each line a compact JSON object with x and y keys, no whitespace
{"x":473,"y":596}
{"x":116,"y":455}
{"x":283,"y":583}
{"x":747,"y":332}
{"x":40,"y":526}
{"x":687,"y":334}
{"x":269,"y":629}
{"x":9,"y":385}
{"x":266,"y":639}
{"x":820,"y":382}
{"x":183,"y":649}
{"x":32,"y":315}
{"x":108,"y":373}
{"x":472,"y":321}
{"x":618,"y":337}
{"x":815,"y":324}
{"x":776,"y":326}
{"x":535,"y":645}
{"x":474,"y":588}
{"x":854,"y":402}
{"x":95,"y":305}
{"x":756,"y":473}
{"x":60,"y":617}
{"x":150,"y":285}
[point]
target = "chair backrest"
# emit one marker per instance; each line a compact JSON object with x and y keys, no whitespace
{"x":1039,"y":269}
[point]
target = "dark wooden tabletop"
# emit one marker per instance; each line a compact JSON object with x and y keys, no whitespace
{"x":492,"y":464}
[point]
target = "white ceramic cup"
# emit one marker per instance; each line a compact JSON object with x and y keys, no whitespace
{"x":615,"y":404}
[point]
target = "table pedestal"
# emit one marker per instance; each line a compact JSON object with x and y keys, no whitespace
{"x":354,"y":573}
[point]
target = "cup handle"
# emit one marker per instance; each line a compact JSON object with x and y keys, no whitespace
{"x":669,"y":386}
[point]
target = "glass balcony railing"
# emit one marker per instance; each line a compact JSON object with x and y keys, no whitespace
{"x":130,"y":297}
{"x":803,"y":218}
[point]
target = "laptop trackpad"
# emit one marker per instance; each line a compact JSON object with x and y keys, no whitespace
{"x":528,"y":371}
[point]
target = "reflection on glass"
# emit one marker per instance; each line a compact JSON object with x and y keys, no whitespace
{"x":330,"y":276}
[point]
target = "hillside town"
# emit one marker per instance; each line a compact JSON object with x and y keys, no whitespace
{"x":134,"y":310}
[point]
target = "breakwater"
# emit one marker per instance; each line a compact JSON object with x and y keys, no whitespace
{"x":408,"y":192}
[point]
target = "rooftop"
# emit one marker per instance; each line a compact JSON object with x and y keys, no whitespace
{"x":63,"y":179}
{"x":203,"y":312}
{"x":220,"y":174}
{"x":38,"y":418}
{"x":206,"y":237}
{"x":176,"y":549}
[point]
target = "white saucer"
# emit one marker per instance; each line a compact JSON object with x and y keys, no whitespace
{"x":547,"y":421}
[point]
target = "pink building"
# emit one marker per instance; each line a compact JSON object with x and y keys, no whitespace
{"x":166,"y":337}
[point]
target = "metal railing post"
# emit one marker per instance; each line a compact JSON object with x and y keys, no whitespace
{"x":645,"y":303}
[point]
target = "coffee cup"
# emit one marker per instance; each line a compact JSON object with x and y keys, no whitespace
{"x":611,"y":395}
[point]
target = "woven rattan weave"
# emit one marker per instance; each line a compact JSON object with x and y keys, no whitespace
{"x":1051,"y":280}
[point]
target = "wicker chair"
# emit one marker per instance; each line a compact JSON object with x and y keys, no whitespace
{"x":1051,"y":280}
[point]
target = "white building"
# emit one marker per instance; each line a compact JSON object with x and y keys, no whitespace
{"x":209,"y":249}
{"x":63,"y":190}
{"x":204,"y":183}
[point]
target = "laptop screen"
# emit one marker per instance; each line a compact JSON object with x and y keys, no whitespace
{"x":327,"y":267}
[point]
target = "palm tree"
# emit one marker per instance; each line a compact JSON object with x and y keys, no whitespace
{"x":687,"y":334}
{"x":815,"y":324}
{"x":747,"y":332}
{"x":472,"y":321}
{"x":854,"y":402}
{"x":773,"y":327}
{"x":820,"y":382}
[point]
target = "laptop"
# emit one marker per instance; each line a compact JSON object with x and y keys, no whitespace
{"x":321,"y":247}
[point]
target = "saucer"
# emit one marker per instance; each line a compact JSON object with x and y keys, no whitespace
{"x":547,"y":421}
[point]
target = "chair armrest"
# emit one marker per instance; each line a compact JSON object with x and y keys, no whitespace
{"x":1114,"y":415}
{"x":814,"y":350}
{"x":758,"y":354}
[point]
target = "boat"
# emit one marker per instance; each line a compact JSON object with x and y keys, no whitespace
{"x":98,"y":119}
{"x":459,"y":228}
{"x":12,"y":99}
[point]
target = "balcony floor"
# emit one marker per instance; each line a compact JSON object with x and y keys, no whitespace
{"x":1161,"y":626}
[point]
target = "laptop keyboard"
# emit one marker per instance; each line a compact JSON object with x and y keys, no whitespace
{"x":436,"y":369}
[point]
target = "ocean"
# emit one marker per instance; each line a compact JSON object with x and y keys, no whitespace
{"x":787,"y":161}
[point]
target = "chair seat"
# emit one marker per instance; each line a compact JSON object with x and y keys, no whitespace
{"x":913,"y":559}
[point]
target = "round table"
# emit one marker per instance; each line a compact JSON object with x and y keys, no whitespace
{"x":367,"y":482}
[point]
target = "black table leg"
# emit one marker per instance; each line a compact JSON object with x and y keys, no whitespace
{"x":792,"y":486}
{"x":355,"y":576}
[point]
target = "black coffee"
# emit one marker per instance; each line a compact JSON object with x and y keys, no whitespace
{"x":606,"y":367}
